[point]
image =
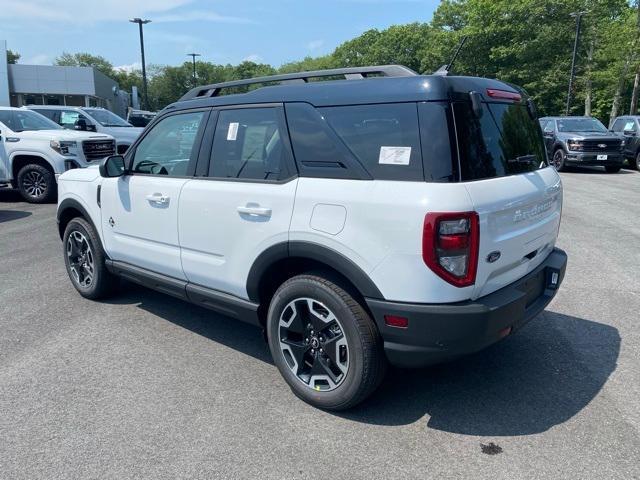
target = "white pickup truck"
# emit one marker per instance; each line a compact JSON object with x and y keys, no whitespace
{"x":34,"y":151}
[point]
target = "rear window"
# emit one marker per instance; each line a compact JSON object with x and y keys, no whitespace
{"x":504,"y":141}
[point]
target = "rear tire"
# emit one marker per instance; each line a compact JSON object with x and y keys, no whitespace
{"x":637,"y":162}
{"x":558,"y":161}
{"x":612,"y":169}
{"x":36,"y":183}
{"x":85,"y":261}
{"x":324,"y":343}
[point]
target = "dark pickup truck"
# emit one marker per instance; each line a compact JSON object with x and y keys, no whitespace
{"x":581,"y":141}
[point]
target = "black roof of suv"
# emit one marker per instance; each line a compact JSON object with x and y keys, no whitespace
{"x":363,"y":85}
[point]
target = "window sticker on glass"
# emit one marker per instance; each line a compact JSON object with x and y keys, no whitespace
{"x":629,"y":126}
{"x":394,"y":155}
{"x":232,"y":133}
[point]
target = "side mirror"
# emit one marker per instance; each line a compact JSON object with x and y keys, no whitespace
{"x":80,"y":124}
{"x":112,"y":166}
{"x":629,"y":133}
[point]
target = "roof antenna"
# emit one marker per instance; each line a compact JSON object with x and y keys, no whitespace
{"x":445,"y":69}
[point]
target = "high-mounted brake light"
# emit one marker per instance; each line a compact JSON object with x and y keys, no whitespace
{"x":504,"y":95}
{"x":450,"y":244}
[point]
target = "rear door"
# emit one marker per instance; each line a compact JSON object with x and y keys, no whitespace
{"x":4,"y":162}
{"x":140,"y":209}
{"x":243,"y":200}
{"x":517,"y":195}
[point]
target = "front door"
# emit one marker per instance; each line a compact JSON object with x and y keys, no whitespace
{"x":243,"y":204}
{"x":140,"y":209}
{"x":4,"y":162}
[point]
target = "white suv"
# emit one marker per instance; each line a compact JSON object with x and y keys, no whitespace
{"x":34,"y":151}
{"x":385,"y":217}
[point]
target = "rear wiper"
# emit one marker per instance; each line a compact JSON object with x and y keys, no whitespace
{"x":523,"y":160}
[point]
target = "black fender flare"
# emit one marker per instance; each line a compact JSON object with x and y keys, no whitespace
{"x":70,"y":203}
{"x":311,"y":251}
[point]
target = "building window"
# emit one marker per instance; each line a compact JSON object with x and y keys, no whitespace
{"x":14,"y":100}
{"x":74,"y":100}
{"x":33,"y":99}
{"x":54,"y":99}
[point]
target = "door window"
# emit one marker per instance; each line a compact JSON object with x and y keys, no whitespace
{"x":170,"y":145}
{"x":68,"y":118}
{"x":249,"y":143}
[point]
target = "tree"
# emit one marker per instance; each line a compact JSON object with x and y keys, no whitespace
{"x":86,"y":60}
{"x":12,"y":57}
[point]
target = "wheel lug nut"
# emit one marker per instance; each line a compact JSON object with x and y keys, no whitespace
{"x":306,"y":340}
{"x":313,"y":351}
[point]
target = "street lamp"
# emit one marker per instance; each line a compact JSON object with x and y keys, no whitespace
{"x":141,"y":22}
{"x":578,"y":17}
{"x":193,"y":56}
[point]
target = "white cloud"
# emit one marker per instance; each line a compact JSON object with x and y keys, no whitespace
{"x":199,"y":16}
{"x":129,"y":68}
{"x":315,"y":44}
{"x":254,"y":57}
{"x":88,"y":12}
{"x":40,"y":59}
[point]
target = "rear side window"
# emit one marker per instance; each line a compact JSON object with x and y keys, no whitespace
{"x":385,"y":138}
{"x":504,"y":141}
{"x":50,"y":114}
{"x":249,"y":143}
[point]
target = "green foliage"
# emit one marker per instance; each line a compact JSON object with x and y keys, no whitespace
{"x":526,"y":42}
{"x":12,"y":57}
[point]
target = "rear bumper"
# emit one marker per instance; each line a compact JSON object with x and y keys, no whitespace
{"x":442,"y":332}
{"x":591,"y":159}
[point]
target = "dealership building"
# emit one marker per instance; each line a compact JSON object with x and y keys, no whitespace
{"x":57,"y":85}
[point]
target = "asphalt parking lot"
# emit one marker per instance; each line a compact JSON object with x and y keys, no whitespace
{"x":145,"y":386}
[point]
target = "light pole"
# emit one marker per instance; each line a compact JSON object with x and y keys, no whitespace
{"x":578,"y":17}
{"x":141,"y":22}
{"x":193,"y":56}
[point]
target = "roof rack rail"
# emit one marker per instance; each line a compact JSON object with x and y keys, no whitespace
{"x":351,"y":73}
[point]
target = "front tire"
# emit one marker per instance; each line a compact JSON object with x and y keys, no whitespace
{"x":637,"y":163}
{"x":612,"y":169}
{"x":85,"y":261}
{"x":36,"y":183}
{"x":559,"y":160}
{"x":324,"y":343}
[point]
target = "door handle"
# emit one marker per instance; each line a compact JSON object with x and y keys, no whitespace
{"x":11,"y":139}
{"x":256,"y":211}
{"x":158,"y":198}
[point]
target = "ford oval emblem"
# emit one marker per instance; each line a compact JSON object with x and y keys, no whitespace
{"x":493,"y":256}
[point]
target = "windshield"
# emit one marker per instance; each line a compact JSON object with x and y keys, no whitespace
{"x":26,"y":120}
{"x":581,"y":125}
{"x":107,"y":118}
{"x":505,"y":140}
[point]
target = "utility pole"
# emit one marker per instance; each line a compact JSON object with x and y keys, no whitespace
{"x":578,"y":17}
{"x":193,"y":56}
{"x":141,"y":22}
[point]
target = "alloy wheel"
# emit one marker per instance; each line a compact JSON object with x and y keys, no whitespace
{"x":34,"y":183}
{"x":80,"y":258}
{"x":558,"y":160}
{"x":313,"y":344}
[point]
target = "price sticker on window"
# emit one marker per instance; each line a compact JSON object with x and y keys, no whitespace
{"x":394,"y":156}
{"x":232,"y":133}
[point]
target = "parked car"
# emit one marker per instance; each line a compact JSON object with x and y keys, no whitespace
{"x":581,"y":141}
{"x":34,"y":151}
{"x":626,"y":127}
{"x":140,"y":118}
{"x":347,"y":218}
{"x":92,"y":119}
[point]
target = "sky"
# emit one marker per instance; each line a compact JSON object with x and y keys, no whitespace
{"x":223,"y":31}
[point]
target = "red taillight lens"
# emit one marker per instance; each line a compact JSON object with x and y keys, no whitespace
{"x":450,"y":246}
{"x":504,"y":95}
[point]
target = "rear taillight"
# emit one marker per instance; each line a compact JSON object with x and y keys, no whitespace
{"x":450,"y":246}
{"x":504,"y":95}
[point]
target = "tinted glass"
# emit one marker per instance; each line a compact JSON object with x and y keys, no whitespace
{"x":581,"y":125}
{"x":107,"y":118}
{"x":50,"y":114}
{"x":618,"y":125}
{"x":26,"y":120}
{"x":385,"y":138}
{"x":169,"y":147}
{"x":505,"y":140}
{"x":248,"y":143}
{"x":437,"y":142}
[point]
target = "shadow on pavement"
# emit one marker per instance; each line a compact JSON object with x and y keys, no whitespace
{"x":8,"y":215}
{"x":10,"y":195}
{"x":541,"y":377}
{"x":597,"y":170}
